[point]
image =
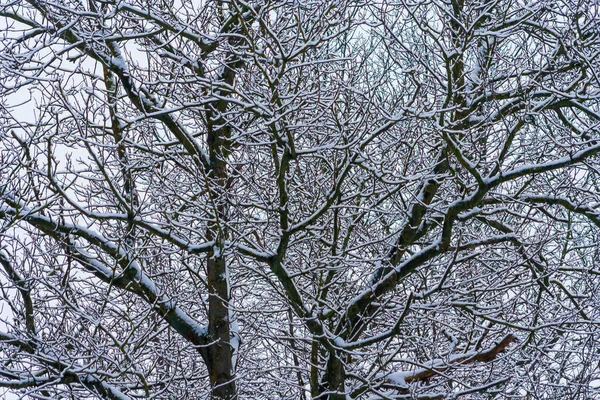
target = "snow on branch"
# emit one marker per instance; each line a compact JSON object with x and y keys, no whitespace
{"x":436,"y":367}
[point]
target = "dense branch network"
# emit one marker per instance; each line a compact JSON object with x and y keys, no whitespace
{"x":281,"y":199}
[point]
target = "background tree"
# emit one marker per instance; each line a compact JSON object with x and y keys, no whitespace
{"x":283,"y":199}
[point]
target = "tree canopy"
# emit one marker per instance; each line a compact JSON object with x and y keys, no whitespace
{"x":230,"y":199}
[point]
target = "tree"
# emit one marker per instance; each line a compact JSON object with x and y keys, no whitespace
{"x":283,"y":199}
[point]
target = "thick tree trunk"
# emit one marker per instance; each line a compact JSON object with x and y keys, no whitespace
{"x":220,"y":366}
{"x":220,"y":351}
{"x":334,"y":378}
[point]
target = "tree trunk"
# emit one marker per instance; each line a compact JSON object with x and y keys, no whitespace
{"x":334,"y":378}
{"x":220,"y":366}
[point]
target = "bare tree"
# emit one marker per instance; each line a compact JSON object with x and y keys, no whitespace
{"x":300,"y":199}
